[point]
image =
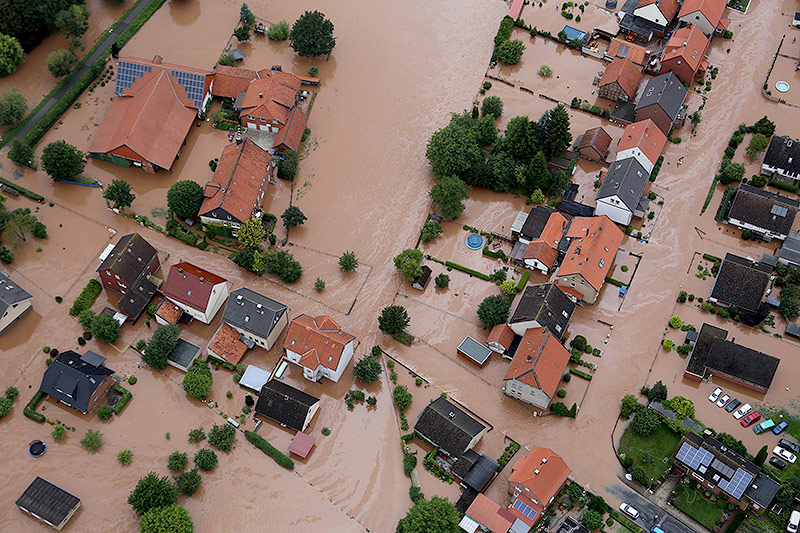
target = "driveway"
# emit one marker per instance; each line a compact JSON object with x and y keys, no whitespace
{"x":649,"y":514}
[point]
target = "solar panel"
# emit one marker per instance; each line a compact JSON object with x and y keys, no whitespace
{"x":722,"y":468}
{"x":523,"y":508}
{"x":779,"y":210}
{"x":738,"y":484}
{"x":128,"y":73}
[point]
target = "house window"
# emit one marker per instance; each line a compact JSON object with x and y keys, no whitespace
{"x":565,"y":314}
{"x":602,"y":263}
{"x":558,"y":328}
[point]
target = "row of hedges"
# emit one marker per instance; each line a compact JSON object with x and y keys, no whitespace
{"x":261,"y":443}
{"x":499,"y":254}
{"x":87,"y":297}
{"x":504,"y":31}
{"x":612,"y":281}
{"x":579,"y":373}
{"x":523,"y":280}
{"x":656,"y":168}
{"x":624,"y":522}
{"x":225,"y":364}
{"x":725,"y":204}
{"x":469,"y":271}
{"x":782,"y":185}
{"x":30,"y":194}
{"x":124,"y":399}
{"x":30,"y":409}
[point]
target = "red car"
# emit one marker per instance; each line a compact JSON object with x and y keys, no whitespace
{"x":749,"y":419}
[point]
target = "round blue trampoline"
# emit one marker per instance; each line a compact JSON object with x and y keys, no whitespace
{"x":37,"y":448}
{"x":474,"y":241}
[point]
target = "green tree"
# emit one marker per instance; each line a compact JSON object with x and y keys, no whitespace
{"x":205,"y":459}
{"x":683,"y":407}
{"x":124,"y":457}
{"x":119,"y":192}
{"x":492,"y":105}
{"x":221,"y":437}
{"x":187,"y":483}
{"x":278,"y":31}
{"x":629,"y":405}
{"x":348,"y":262}
{"x":12,"y":107}
{"x":196,"y":435}
{"x":105,"y":412}
{"x":312,"y":35}
{"x":59,"y":431}
{"x":410,"y":263}
{"x":790,"y":303}
{"x":393,"y":319}
{"x":5,"y":406}
{"x":242,"y":33}
{"x":520,"y":141}
{"x":430,"y":230}
{"x":251,"y":234}
{"x":197,"y":381}
{"x":11,"y":54}
{"x":59,"y":62}
{"x":592,"y":519}
{"x":105,"y":328}
{"x":367,"y":369}
{"x":73,"y":21}
{"x":537,"y":198}
{"x":245,"y":15}
{"x":657,"y":392}
{"x":449,"y":193}
{"x":675,"y":322}
{"x":453,"y":149}
{"x":161,"y":345}
{"x":21,"y":152}
{"x":486,"y":130}
{"x":171,"y":518}
{"x":761,"y":456}
{"x":184,"y":198}
{"x":442,"y":281}
{"x":510,"y":52}
{"x":229,"y":61}
{"x":62,"y":161}
{"x":764,"y":126}
{"x":259,"y":262}
{"x":177,"y":461}
{"x":402,"y":398}
{"x":645,"y":422}
{"x":436,"y":514}
{"x":493,"y":310}
{"x":732,"y":172}
{"x":283,"y":264}
{"x":558,"y":133}
{"x":16,"y":225}
{"x":293,"y":217}
{"x":538,"y":174}
{"x":152,"y":492}
{"x":92,"y":440}
{"x":545,"y":71}
{"x":287,"y":165}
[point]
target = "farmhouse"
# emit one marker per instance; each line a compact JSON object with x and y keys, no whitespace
{"x":536,"y":369}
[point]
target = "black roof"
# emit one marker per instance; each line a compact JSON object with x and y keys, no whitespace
{"x":129,"y":258}
{"x":481,"y":473}
{"x":697,"y":362}
{"x":285,"y":404}
{"x":741,"y":282}
{"x":626,"y":178}
{"x":10,"y":293}
{"x":422,"y":279}
{"x":546,"y":304}
{"x":243,"y":312}
{"x":763,"y":490}
{"x":447,"y":427}
{"x":790,"y":250}
{"x":135,"y":300}
{"x":741,"y":363}
{"x":534,"y":224}
{"x":665,"y":90}
{"x":638,"y":25}
{"x":784,"y":153}
{"x":47,"y":501}
{"x":764,"y":209}
{"x":73,"y":378}
{"x":464,"y":464}
{"x":624,"y":111}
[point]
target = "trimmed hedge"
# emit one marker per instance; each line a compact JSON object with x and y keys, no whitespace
{"x":475,"y":273}
{"x":656,"y":168}
{"x":504,"y":31}
{"x":124,"y":399}
{"x":405,"y":338}
{"x":30,"y":194}
{"x":499,"y":254}
{"x":261,"y":443}
{"x":612,"y":281}
{"x":783,"y":185}
{"x":87,"y":297}
{"x":624,"y":522}
{"x":523,"y":280}
{"x":578,"y":373}
{"x":30,"y":409}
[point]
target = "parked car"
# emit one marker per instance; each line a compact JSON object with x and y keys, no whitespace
{"x":749,"y":419}
{"x":722,"y":401}
{"x":780,"y":464}
{"x":794,"y":521}
{"x":758,"y":429}
{"x":628,"y":510}
{"x":743,"y":410}
{"x":780,"y":428}
{"x":714,"y":395}
{"x":733,"y":404}
{"x":789,"y":445}
{"x":784,"y":454}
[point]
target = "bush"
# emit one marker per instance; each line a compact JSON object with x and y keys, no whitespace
{"x":561,"y":393}
{"x":87,"y":297}
{"x":123,"y":400}
{"x":668,"y":344}
{"x":152,"y":492}
{"x":645,"y":422}
{"x":287,"y":165}
{"x":629,"y":406}
{"x":197,"y":381}
{"x":177,"y":461}
{"x":402,"y":398}
{"x":124,"y":457}
{"x":559,"y":409}
{"x":278,"y":31}
{"x":105,"y":412}
{"x":59,"y":431}
{"x":510,"y":52}
{"x":675,"y":322}
{"x":187,"y":483}
{"x":504,"y":31}
{"x":431,"y":229}
{"x":409,"y":463}
{"x":261,"y":443}
{"x":326,"y":431}
{"x":442,"y":281}
{"x":92,"y":441}
{"x":492,"y":105}
{"x":579,"y":343}
{"x":221,"y":437}
{"x":545,"y":71}
{"x":197,"y":435}
{"x":132,"y":380}
{"x":205,"y":459}
{"x":30,"y":408}
{"x":416,"y":495}
{"x":349,"y":262}
{"x":566,"y":378}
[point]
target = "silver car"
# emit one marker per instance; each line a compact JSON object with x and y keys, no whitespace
{"x":628,"y":510}
{"x":743,"y":410}
{"x":722,"y":401}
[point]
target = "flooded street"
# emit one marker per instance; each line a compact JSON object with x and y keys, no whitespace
{"x":363,"y":183}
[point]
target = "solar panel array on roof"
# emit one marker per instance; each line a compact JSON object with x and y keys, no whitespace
{"x":779,"y":210}
{"x":623,"y":50}
{"x":523,"y":508}
{"x":128,"y":73}
{"x":738,"y":484}
{"x":722,"y":468}
{"x":694,"y":457}
{"x":194,"y":84}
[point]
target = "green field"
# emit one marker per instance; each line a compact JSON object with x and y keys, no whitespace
{"x":649,"y":452}
{"x":693,"y":504}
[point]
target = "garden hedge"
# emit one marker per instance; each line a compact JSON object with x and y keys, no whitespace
{"x":30,"y":408}
{"x":30,"y":194}
{"x":124,"y":399}
{"x":87,"y":297}
{"x":261,"y":443}
{"x":475,"y":273}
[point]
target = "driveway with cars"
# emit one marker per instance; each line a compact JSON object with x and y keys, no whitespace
{"x":650,"y":514}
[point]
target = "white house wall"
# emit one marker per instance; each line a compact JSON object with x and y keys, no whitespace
{"x":698,"y":19}
{"x":519,"y":328}
{"x":637,"y":154}
{"x":526,"y":393}
{"x":535,"y":264}
{"x":14,"y":312}
{"x":765,"y":232}
{"x":613,"y":207}
{"x":652,"y":13}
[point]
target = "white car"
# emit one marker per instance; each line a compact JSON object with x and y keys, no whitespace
{"x":784,"y":454}
{"x":743,"y":410}
{"x":628,"y":510}
{"x":794,"y":521}
{"x":722,"y":401}
{"x":714,"y":395}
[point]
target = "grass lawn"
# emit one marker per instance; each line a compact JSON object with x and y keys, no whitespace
{"x":792,"y":433}
{"x":692,"y":503}
{"x":649,"y":452}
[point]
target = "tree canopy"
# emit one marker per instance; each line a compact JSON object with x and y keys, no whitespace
{"x":171,"y":518}
{"x":453,"y":149}
{"x":119,"y":192}
{"x":59,"y":62}
{"x":251,"y":234}
{"x":492,"y":105}
{"x":152,"y":492}
{"x":106,"y":328}
{"x":510,"y":52}
{"x":11,"y":54}
{"x":348,"y":262}
{"x":184,"y":198}
{"x":410,"y":263}
{"x":62,"y":161}
{"x":436,"y":514}
{"x":493,"y":310}
{"x":161,"y":345}
{"x":12,"y":106}
{"x":448,"y":193}
{"x":293,"y":217}
{"x":73,"y":21}
{"x":558,"y":134}
{"x":367,"y":369}
{"x":312,"y":35}
{"x":197,"y":381}
{"x":393,"y":319}
{"x":645,"y":422}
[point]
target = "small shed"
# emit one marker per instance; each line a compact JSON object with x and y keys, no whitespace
{"x":793,"y":330}
{"x":301,"y":444}
{"x":183,"y":355}
{"x":422,"y":280}
{"x":237,"y":54}
{"x":593,"y":144}
{"x":50,"y":504}
{"x":474,"y":351}
{"x":254,"y":378}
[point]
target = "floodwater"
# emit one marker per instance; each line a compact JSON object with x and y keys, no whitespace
{"x":363,"y":184}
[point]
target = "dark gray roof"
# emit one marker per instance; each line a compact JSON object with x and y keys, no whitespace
{"x":665,"y":90}
{"x":465,"y":463}
{"x":697,"y":362}
{"x":784,"y":153}
{"x":569,"y":525}
{"x":183,"y":354}
{"x":769,"y":259}
{"x":422,"y":279}
{"x":624,"y":111}
{"x":742,"y":363}
{"x":129,"y":258}
{"x":474,"y":350}
{"x":135,"y":300}
{"x":534,"y":224}
{"x":790,"y":250}
{"x":793,"y":330}
{"x":638,"y":25}
{"x":732,"y":472}
{"x":764,"y":209}
{"x":481,"y":473}
{"x":447,"y":427}
{"x":741,"y":282}
{"x":626,"y":178}
{"x":10,"y":293}
{"x":243,"y":312}
{"x":763,"y":490}
{"x":73,"y":378}
{"x":285,"y":404}
{"x":47,"y":501}
{"x":546,"y":304}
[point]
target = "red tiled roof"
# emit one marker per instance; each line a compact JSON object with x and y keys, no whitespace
{"x":291,"y":133}
{"x":156,"y":68}
{"x":320,"y":341}
{"x":553,"y":472}
{"x":625,"y":49}
{"x":516,"y":9}
{"x":240,"y":181}
{"x":501,"y":334}
{"x":711,"y":9}
{"x":540,"y":361}
{"x":271,"y":96}
{"x":488,"y":514}
{"x":301,"y":444}
{"x":169,"y":312}
{"x":593,"y":239}
{"x":644,"y":135}
{"x":545,"y":247}
{"x":625,"y":72}
{"x":724,"y":23}
{"x":226,"y":344}
{"x":688,"y":44}
{"x":597,"y":138}
{"x":230,"y":81}
{"x":533,"y":505}
{"x":184,"y":285}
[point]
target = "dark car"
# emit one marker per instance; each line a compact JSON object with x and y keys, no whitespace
{"x":780,"y":464}
{"x":733,"y":404}
{"x":791,"y":446}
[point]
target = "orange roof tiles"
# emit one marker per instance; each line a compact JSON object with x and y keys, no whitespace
{"x":169,"y":312}
{"x":319,"y":340}
{"x":621,"y":48}
{"x":545,"y":247}
{"x":514,"y":13}
{"x":644,"y":135}
{"x":552,"y":473}
{"x":593,"y":245}
{"x":711,"y":9}
{"x":501,"y":334}
{"x":226,"y":344}
{"x":230,"y":81}
{"x":271,"y":96}
{"x":190,"y":285}
{"x":240,"y":181}
{"x":668,"y":8}
{"x":540,"y":361}
{"x":488,"y":514}
{"x":291,"y":134}
{"x":625,"y":72}
{"x":688,"y":44}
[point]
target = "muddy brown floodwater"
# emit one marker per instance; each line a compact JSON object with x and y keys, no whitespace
{"x":397,"y":72}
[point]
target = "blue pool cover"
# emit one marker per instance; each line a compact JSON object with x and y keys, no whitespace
{"x":474,"y":241}
{"x":573,"y":33}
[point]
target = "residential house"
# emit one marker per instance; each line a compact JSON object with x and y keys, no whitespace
{"x":542,"y":306}
{"x":501,"y":338}
{"x":268,"y":101}
{"x":155,"y":105}
{"x":620,"y":80}
{"x":542,"y":252}
{"x":767,"y":214}
{"x":14,"y":302}
{"x":227,"y":345}
{"x":229,"y":82}
{"x":685,"y":53}
{"x":642,"y":141}
{"x":621,"y":195}
{"x":705,"y":14}
{"x":536,"y":370}
{"x":50,"y":504}
{"x":741,"y":283}
{"x":593,"y":244}
{"x":789,"y":254}
{"x":534,"y":482}
{"x":662,"y":101}
{"x":260,"y":319}
{"x":449,"y":428}
{"x":782,"y":158}
{"x":620,"y":48}
{"x":530,"y":226}
{"x":79,"y":381}
{"x":290,"y":135}
{"x":319,"y":345}
{"x":129,"y":269}
{"x":286,"y":405}
{"x":236,"y":192}
{"x":593,"y":144}
{"x":199,"y":293}
{"x":485,"y":514}
{"x":645,"y":19}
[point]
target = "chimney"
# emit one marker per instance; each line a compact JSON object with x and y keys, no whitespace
{"x":528,"y":359}
{"x":202,"y":280}
{"x":157,"y":59}
{"x":180,"y":270}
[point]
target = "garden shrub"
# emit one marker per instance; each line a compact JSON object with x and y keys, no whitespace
{"x":261,"y":443}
